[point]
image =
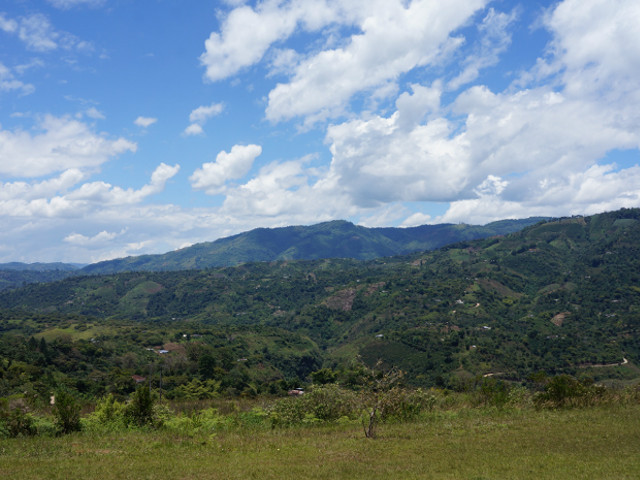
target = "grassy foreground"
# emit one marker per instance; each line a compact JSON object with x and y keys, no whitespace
{"x":472,"y":444}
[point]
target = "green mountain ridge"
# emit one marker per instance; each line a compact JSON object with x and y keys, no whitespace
{"x":335,"y":239}
{"x":561,"y":297}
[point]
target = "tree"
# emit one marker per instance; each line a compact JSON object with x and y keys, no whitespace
{"x":140,"y":410}
{"x":66,"y":411}
{"x":379,"y":397}
{"x":324,"y":376}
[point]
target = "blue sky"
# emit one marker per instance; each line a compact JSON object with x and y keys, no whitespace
{"x":131,"y":127}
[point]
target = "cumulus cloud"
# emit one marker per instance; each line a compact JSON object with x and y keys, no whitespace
{"x":213,"y":176}
{"x":597,"y":49}
{"x":392,"y":38}
{"x":145,"y":122}
{"x":94,"y":113}
{"x":245,"y":37}
{"x":272,"y":192}
{"x":25,"y":191}
{"x":521,"y":151}
{"x":393,"y":41}
{"x":8,"y":25}
{"x":100,"y":239}
{"x":55,"y":198}
{"x":60,"y":144}
{"x":39,"y":35}
{"x":539,"y":136}
{"x":291,"y":192}
{"x":200,"y":115}
{"x":203,"y":113}
{"x":106,"y":194}
{"x":8,"y":82}
{"x":193,"y":129}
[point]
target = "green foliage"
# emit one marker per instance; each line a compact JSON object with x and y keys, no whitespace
{"x":493,"y":392}
{"x":566,"y":391}
{"x":66,"y":412}
{"x":139,"y":411}
{"x":324,"y":376}
{"x":15,"y":421}
{"x":560,"y":297}
{"x":336,"y":239}
{"x":197,"y":390}
{"x":108,"y":415}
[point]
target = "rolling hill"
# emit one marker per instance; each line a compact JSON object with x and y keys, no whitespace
{"x":336,"y":239}
{"x":560,"y":297}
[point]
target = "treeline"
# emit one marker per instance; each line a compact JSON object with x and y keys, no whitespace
{"x":560,"y":297}
{"x":375,"y":399}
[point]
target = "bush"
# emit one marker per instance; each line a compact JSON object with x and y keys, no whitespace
{"x":109,"y":415}
{"x":205,"y":421}
{"x":330,"y":402}
{"x":66,"y":412}
{"x":287,"y":412}
{"x":566,"y":391}
{"x":15,"y":421}
{"x":140,"y":409}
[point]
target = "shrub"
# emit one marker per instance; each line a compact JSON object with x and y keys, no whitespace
{"x":66,"y":412}
{"x":139,"y":411}
{"x":330,"y":402}
{"x":287,"y":412}
{"x":15,"y":422}
{"x":109,"y":414}
{"x":566,"y":391}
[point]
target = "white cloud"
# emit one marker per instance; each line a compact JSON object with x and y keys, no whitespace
{"x":417,"y":219}
{"x":495,"y":40}
{"x":200,"y":115}
{"x":193,"y":129}
{"x":8,"y":82}
{"x":62,"y":143}
{"x":398,"y":158}
{"x":245,"y":37}
{"x":393,"y":41}
{"x":272,"y":192}
{"x":46,"y":188}
{"x":288,"y":193}
{"x":145,"y":122}
{"x":8,"y":25}
{"x":212,"y":177}
{"x":515,"y":151}
{"x":203,"y":113}
{"x":99,"y":240}
{"x":394,"y":37}
{"x":106,"y":194}
{"x":539,"y":135}
{"x":39,"y":35}
{"x":94,"y":113}
{"x":55,"y":199}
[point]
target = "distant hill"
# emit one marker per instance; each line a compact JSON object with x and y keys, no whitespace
{"x":40,"y":267}
{"x":15,"y":274}
{"x":336,"y":239}
{"x":561,"y":297}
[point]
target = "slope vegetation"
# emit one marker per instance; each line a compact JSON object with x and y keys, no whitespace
{"x":559,"y":297}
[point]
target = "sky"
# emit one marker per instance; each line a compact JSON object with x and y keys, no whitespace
{"x":130,"y":127}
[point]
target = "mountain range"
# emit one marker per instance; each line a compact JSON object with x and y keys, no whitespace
{"x":559,"y":296}
{"x":336,"y":239}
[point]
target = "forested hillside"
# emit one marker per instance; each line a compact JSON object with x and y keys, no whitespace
{"x":337,"y":239}
{"x":558,"y":297}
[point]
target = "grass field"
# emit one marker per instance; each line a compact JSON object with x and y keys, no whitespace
{"x":471,"y":444}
